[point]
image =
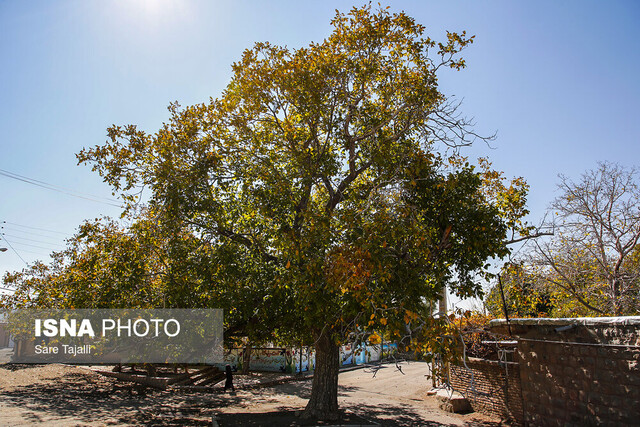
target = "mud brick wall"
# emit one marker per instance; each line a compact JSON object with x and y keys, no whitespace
{"x":577,"y":372}
{"x":494,"y":390}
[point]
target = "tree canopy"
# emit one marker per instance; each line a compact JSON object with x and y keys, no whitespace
{"x":590,"y":265}
{"x":524,"y":294}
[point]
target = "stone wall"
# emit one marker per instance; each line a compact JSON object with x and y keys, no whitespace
{"x":491,"y":387}
{"x":579,"y":372}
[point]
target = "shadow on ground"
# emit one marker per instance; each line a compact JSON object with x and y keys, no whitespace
{"x":397,"y":415}
{"x":289,"y":418}
{"x":19,"y":366}
{"x":283,"y":418}
{"x":91,"y":398}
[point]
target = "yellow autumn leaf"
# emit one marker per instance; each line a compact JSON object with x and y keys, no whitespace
{"x":375,"y":339}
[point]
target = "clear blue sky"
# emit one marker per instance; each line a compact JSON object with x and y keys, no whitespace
{"x":558,"y":81}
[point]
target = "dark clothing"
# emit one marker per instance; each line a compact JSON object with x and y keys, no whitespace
{"x":228,"y":384}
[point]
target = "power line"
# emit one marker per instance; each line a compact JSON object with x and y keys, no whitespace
{"x":33,"y":246}
{"x":59,"y":189}
{"x":14,"y":250}
{"x":26,"y":229}
{"x":35,"y":228}
{"x":31,"y":240}
{"x":35,"y":253}
{"x":50,"y":240}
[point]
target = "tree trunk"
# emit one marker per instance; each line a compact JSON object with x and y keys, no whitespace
{"x":246,"y":358}
{"x":323,"y":403}
{"x":617,"y":304}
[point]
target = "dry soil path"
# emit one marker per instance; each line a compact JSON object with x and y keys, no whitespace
{"x":61,"y":395}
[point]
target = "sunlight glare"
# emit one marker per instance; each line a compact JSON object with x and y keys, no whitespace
{"x":155,"y":12}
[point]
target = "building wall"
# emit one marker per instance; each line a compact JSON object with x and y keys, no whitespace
{"x":580,"y":384}
{"x":566,"y":372}
{"x":288,"y":360}
{"x":579,"y":372}
{"x":267,"y":359}
{"x":491,"y":388}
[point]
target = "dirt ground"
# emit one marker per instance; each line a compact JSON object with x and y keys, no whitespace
{"x":62,"y":395}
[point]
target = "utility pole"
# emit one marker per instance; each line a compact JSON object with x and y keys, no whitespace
{"x":442,"y":303}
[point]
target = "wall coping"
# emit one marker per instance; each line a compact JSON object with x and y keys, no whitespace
{"x":565,"y":321}
{"x":480,"y":361}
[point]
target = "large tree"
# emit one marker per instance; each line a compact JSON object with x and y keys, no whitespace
{"x":592,"y":262}
{"x":324,"y":183}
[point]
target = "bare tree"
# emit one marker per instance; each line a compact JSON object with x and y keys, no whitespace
{"x":593,"y":257}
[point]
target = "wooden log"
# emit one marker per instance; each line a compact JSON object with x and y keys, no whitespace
{"x":191,"y":378}
{"x":212,"y":380}
{"x":155,"y":382}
